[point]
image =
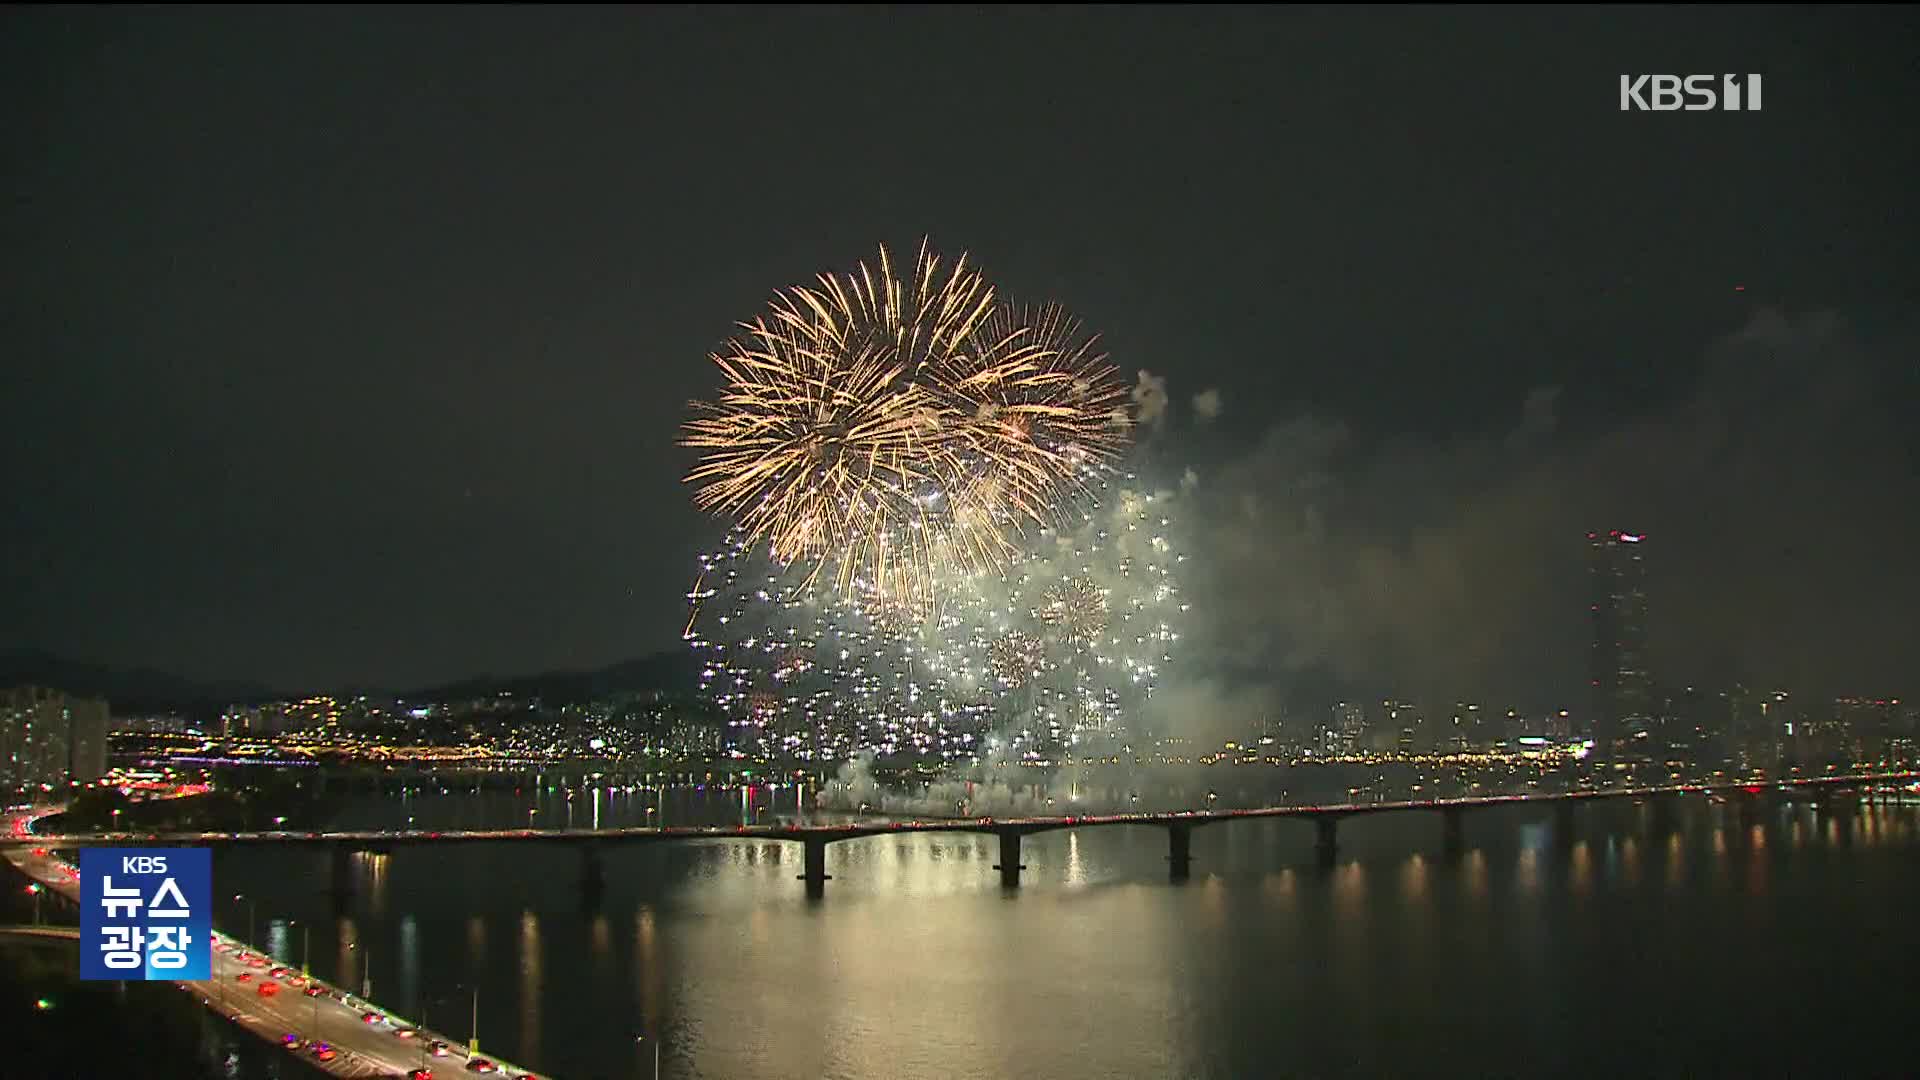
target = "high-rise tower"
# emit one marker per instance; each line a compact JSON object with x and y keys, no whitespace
{"x":1622,"y":686}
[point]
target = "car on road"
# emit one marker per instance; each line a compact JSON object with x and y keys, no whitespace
{"x":481,"y":1065}
{"x":406,"y":1032}
{"x":371,"y":1017}
{"x":268,"y":989}
{"x":438,"y":1048}
{"x":314,"y":990}
{"x":293,"y":1041}
{"x":420,"y":1074}
{"x":324,"y":1052}
{"x":245,"y":976}
{"x":280,"y":972}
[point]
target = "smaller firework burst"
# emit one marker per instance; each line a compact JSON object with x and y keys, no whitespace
{"x":1017,"y":658}
{"x":1075,"y":609}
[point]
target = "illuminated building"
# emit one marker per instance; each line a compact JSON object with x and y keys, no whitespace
{"x":1621,"y":682}
{"x":47,"y":737}
{"x":1343,"y":734}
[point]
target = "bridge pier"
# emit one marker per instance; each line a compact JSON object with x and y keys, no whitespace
{"x":1326,"y":841}
{"x":816,"y":875}
{"x":1179,"y":850}
{"x":1453,"y":838}
{"x":1010,"y":865}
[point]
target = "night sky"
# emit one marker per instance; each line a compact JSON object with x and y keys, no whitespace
{"x":349,"y":347}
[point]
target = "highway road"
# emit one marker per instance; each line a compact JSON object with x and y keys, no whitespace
{"x":366,"y":1040}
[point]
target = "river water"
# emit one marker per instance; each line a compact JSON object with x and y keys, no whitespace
{"x":1719,"y":941}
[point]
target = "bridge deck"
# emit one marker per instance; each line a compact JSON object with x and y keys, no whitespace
{"x":829,"y":833}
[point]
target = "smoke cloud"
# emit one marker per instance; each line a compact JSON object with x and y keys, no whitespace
{"x":1150,"y":398}
{"x":1206,"y":404}
{"x":1777,"y":499}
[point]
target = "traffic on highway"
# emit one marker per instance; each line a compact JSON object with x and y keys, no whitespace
{"x":335,"y":1031}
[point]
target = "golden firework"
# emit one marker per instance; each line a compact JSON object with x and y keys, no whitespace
{"x":894,"y":429}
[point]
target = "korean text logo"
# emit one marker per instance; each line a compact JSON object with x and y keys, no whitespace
{"x":146,"y":913}
{"x":1693,"y":93}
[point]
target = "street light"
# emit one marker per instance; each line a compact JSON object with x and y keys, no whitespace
{"x":366,"y":969}
{"x":306,"y":939}
{"x":639,"y":1042}
{"x":252,"y":906}
{"x":473,"y":1033}
{"x":306,"y":931}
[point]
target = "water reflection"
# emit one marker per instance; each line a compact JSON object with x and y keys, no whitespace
{"x":1527,"y":871}
{"x":410,"y":961}
{"x":1281,"y":884}
{"x":915,"y":967}
{"x":1413,"y":878}
{"x":373,"y":874}
{"x":530,"y":986}
{"x":347,"y":962}
{"x":646,"y":962}
{"x":1474,"y":874}
{"x":601,"y":946}
{"x":1350,"y":888}
{"x":1580,"y":869}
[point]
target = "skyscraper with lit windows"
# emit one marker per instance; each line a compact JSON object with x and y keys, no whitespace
{"x":1621,"y":682}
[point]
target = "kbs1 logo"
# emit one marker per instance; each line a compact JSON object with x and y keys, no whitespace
{"x":146,"y":913}
{"x":1693,"y":93}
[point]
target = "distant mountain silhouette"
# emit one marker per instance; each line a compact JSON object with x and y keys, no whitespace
{"x":673,"y":672}
{"x":127,"y":690}
{"x":136,"y":690}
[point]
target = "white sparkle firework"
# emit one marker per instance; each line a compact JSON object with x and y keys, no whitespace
{"x":1058,"y":649}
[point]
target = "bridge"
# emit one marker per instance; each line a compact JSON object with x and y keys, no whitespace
{"x":362,"y":1039}
{"x":814,"y":837}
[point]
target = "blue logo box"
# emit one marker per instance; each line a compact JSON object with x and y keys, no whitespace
{"x":146,"y":913}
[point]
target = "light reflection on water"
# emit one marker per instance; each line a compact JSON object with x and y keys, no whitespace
{"x":531,"y":964}
{"x":918,"y":964}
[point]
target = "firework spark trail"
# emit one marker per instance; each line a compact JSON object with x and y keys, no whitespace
{"x":1062,"y":650}
{"x":901,"y":431}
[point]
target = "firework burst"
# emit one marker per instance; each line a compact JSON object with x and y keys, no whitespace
{"x":1017,"y":658}
{"x":1067,"y":643}
{"x":898,"y":430}
{"x":1075,"y":609}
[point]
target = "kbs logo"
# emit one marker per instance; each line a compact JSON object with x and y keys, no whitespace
{"x":1694,"y":93}
{"x":146,"y":914}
